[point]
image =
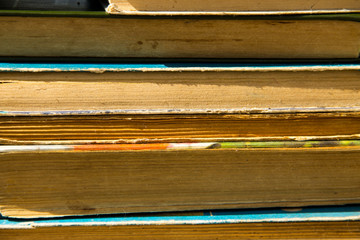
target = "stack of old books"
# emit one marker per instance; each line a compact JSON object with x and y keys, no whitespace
{"x":181,"y":120}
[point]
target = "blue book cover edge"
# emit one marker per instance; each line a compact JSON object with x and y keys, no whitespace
{"x":310,"y":214}
{"x":136,"y":67}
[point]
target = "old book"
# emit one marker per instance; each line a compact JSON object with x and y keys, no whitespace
{"x":80,"y":128}
{"x":99,"y":35}
{"x":176,"y":87}
{"x":63,"y":180}
{"x":244,"y":7}
{"x":287,"y":223}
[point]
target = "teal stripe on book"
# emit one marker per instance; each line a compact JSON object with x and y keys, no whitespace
{"x":342,"y":213}
{"x":114,"y":67}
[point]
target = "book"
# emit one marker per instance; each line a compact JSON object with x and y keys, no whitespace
{"x":286,"y":223}
{"x":201,"y":7}
{"x":67,"y":180}
{"x":178,"y":87}
{"x":97,"y":35}
{"x":76,"y":127}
